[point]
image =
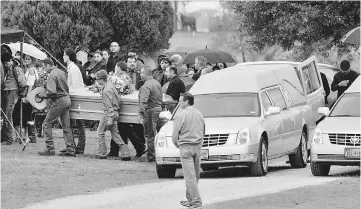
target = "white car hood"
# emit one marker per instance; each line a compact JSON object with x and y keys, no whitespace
{"x":224,"y":125}
{"x":340,"y":125}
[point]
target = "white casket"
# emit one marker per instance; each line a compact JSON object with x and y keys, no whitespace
{"x":86,"y":104}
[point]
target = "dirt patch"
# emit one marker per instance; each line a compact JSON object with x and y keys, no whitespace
{"x":27,"y":177}
{"x":342,"y":194}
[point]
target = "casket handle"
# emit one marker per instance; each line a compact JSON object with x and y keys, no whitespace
{"x":78,"y":107}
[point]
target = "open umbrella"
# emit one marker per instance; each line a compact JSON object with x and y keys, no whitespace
{"x":212,"y":56}
{"x":352,"y":37}
{"x":29,"y":50}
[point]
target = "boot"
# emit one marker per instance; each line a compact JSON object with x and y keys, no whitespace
{"x":31,"y":133}
{"x":124,"y":150}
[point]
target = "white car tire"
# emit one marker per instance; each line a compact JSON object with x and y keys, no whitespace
{"x":320,"y":170}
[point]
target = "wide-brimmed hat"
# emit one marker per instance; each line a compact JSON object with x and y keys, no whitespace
{"x":35,"y":101}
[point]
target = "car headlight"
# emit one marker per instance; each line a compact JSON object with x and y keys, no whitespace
{"x":243,"y":136}
{"x":161,"y":140}
{"x":317,"y":136}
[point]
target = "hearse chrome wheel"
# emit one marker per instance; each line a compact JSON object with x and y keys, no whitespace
{"x":260,"y":167}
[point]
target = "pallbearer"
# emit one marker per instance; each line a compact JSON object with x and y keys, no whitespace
{"x":111,"y":101}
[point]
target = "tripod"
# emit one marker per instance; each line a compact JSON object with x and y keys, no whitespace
{"x":12,"y":126}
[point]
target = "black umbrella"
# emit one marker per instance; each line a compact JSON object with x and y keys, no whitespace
{"x":212,"y":56}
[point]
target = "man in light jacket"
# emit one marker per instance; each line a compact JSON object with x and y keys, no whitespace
{"x":188,"y":133}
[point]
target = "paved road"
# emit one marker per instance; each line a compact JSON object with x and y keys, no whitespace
{"x":216,"y":186}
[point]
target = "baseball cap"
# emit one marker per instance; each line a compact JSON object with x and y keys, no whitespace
{"x":101,"y":74}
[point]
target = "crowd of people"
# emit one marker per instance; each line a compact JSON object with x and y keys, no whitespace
{"x":170,"y":78}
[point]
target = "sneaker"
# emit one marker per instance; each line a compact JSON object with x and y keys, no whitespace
{"x":185,"y":203}
{"x":46,"y":153}
{"x":67,"y":154}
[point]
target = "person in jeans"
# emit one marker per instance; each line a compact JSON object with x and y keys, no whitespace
{"x":75,"y":80}
{"x":111,"y":101}
{"x":9,"y":97}
{"x":150,"y":105}
{"x":188,"y":132}
{"x":58,"y":106}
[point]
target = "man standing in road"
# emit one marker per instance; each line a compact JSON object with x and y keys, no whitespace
{"x":58,"y":106}
{"x":188,"y":133}
{"x":342,"y":80}
{"x":150,"y":105}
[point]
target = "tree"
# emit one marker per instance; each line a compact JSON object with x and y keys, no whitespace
{"x":296,"y":23}
{"x":143,"y":26}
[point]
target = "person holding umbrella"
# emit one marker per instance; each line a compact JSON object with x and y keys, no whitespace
{"x":200,"y":65}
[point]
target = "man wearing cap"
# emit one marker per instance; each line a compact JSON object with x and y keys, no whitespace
{"x":58,"y":106}
{"x":343,"y":79}
{"x":111,"y":101}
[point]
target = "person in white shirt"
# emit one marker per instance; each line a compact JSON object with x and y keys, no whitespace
{"x":75,"y":79}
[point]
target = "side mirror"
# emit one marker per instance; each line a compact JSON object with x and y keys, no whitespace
{"x":323,"y":111}
{"x":273,"y":111}
{"x":165,"y":115}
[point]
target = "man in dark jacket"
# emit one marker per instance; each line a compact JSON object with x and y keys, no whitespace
{"x":115,"y":56}
{"x":175,"y":87}
{"x":342,"y":80}
{"x":181,"y":71}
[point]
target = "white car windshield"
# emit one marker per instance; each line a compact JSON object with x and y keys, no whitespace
{"x":227,"y":105}
{"x":348,"y":106}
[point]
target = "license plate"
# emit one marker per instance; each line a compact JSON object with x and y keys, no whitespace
{"x":352,"y":153}
{"x":204,"y":154}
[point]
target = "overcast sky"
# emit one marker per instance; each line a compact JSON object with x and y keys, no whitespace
{"x":198,"y":5}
